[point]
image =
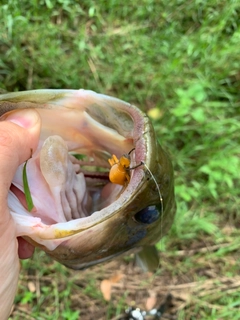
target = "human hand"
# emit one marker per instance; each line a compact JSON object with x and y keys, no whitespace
{"x":19,"y":135}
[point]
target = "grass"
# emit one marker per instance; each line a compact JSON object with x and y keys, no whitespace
{"x":179,"y":62}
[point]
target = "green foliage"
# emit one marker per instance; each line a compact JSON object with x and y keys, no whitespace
{"x":179,"y":57}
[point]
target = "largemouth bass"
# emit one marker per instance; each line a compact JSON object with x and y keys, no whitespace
{"x":79,"y":217}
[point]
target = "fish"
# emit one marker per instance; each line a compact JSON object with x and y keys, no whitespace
{"x":79,"y":217}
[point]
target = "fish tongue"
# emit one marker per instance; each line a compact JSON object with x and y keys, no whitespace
{"x":67,"y":187}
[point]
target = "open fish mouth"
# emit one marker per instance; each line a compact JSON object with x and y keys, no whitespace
{"x":79,"y":216}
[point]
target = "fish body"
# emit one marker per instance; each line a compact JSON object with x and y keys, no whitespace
{"x":80,"y":217}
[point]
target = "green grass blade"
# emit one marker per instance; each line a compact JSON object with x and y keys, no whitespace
{"x":27,"y":192}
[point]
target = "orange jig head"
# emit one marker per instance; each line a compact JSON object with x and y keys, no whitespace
{"x":120,"y":169}
{"x":119,"y":172}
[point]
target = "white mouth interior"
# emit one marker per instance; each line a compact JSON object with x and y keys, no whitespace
{"x":64,"y":188}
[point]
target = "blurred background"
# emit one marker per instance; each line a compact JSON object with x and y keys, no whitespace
{"x":179,"y":61}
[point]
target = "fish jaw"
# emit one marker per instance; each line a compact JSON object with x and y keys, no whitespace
{"x":97,"y":126}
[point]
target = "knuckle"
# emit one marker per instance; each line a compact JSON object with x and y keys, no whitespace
{"x":9,"y":140}
{"x":6,"y":137}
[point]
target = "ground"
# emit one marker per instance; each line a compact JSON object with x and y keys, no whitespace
{"x":198,"y":278}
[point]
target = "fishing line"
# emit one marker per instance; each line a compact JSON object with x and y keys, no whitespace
{"x":159,"y":192}
{"x":161,"y":201}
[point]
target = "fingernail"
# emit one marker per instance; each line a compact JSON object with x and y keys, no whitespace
{"x":26,"y":118}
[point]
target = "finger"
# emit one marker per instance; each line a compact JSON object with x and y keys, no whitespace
{"x":25,"y":249}
{"x":19,"y":133}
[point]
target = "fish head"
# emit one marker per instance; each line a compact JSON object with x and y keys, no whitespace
{"x":80,"y":218}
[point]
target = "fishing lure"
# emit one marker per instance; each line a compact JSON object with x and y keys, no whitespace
{"x":26,"y":189}
{"x":120,"y":168}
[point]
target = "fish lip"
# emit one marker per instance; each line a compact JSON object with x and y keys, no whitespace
{"x":75,"y":265}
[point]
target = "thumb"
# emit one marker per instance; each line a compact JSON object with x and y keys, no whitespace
{"x":19,"y":135}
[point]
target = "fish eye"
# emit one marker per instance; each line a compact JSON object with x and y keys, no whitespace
{"x":148,"y":215}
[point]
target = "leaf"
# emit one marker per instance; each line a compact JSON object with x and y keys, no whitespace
{"x":197,"y":91}
{"x":198,"y":115}
{"x":151,"y":300}
{"x":116,"y":278}
{"x":106,"y":285}
{"x":155,"y":113}
{"x":31,"y":286}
